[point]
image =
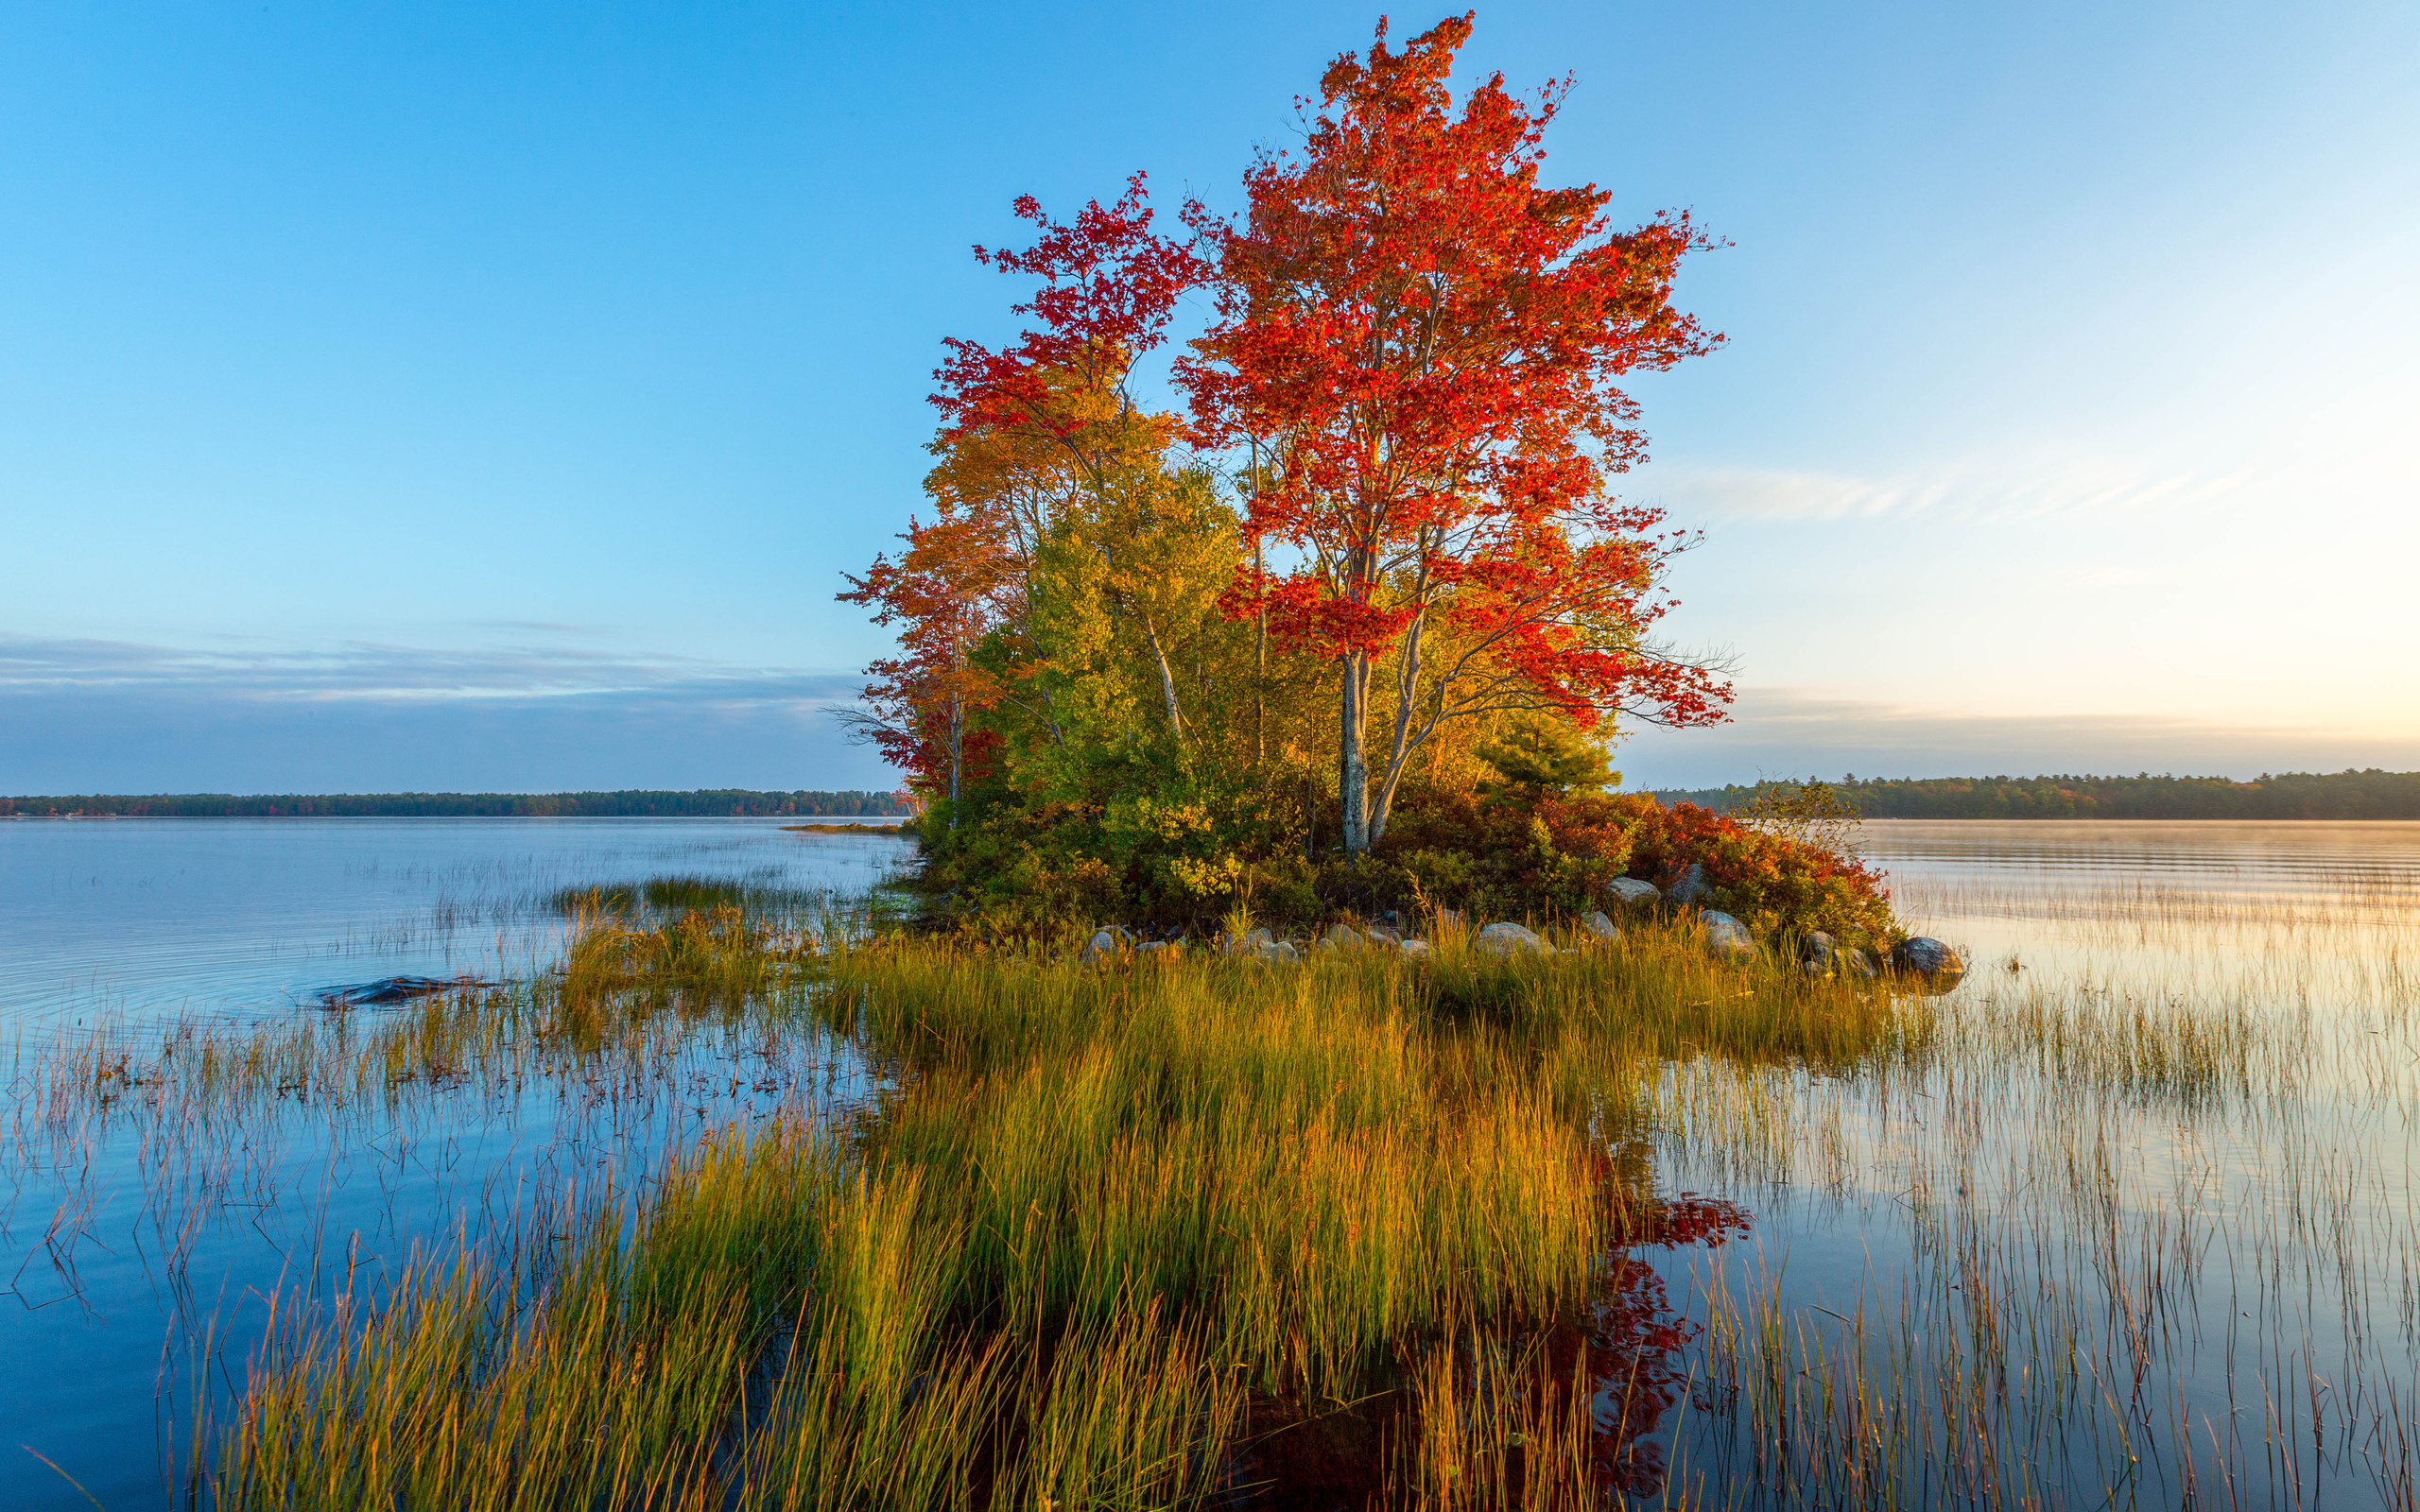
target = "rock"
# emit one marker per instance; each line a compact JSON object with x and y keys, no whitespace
{"x":1599,"y":927}
{"x":1246,"y":943}
{"x":1417,"y":950}
{"x":1818,"y":954}
{"x":1688,"y":889}
{"x":1382,"y":934}
{"x":1281,"y":953}
{"x":1102,"y":947}
{"x":1504,"y":941}
{"x":1629,"y":892}
{"x":1928,"y":961}
{"x":1726,"y":938}
{"x":1447,"y":919}
{"x":1346,"y":938}
{"x":1860,"y":963}
{"x":1153,"y":946}
{"x":388,"y":990}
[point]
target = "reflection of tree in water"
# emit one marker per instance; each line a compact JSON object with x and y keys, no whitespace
{"x":1473,"y":1420}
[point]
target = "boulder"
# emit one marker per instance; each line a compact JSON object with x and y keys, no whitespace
{"x":1383,"y":935}
{"x":1247,"y":942}
{"x":1447,"y":918}
{"x":1346,"y":938}
{"x":1726,"y":938}
{"x":1597,"y":926}
{"x":1688,"y":888}
{"x":1102,"y":947}
{"x":1417,"y":950}
{"x":1504,"y":941}
{"x":1859,"y":963}
{"x":1153,"y":946}
{"x":1818,"y":954}
{"x":1629,"y":892}
{"x":1281,"y":953}
{"x":1926,"y":960}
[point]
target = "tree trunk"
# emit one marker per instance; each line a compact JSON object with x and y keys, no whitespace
{"x":1168,"y":679}
{"x":1382,"y":802}
{"x":1351,"y":770}
{"x":957,"y":743}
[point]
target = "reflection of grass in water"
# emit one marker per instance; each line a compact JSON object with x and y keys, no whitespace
{"x":1105,"y":1217}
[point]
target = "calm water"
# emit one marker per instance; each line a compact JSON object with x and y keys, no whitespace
{"x":157,"y":919}
{"x":2196,"y":1232}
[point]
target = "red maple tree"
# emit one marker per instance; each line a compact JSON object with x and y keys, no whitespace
{"x":1421,"y":345}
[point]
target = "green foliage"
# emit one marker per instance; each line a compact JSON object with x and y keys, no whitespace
{"x":1538,"y":753}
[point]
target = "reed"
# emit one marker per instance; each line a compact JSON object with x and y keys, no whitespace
{"x":1193,"y":1229}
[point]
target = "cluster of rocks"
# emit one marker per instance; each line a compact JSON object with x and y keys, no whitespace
{"x":1924,"y":961}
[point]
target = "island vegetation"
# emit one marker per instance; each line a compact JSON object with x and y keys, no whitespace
{"x":2349,"y":794}
{"x":1346,"y":631}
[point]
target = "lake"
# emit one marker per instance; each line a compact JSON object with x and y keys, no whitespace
{"x":160,"y":919}
{"x":2150,"y":1187}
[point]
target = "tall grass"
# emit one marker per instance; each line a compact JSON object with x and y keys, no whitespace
{"x":1367,"y":1232}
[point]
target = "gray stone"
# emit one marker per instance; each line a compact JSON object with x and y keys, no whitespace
{"x":1688,"y":889}
{"x":1726,"y":938}
{"x":1246,"y":943}
{"x":1153,"y":946}
{"x":1928,"y":961}
{"x":1859,"y":963}
{"x":1597,"y":926}
{"x":1629,"y":892}
{"x":1346,"y":938}
{"x":1447,"y":918}
{"x":1282,"y":952}
{"x":1503,"y":941}
{"x":1417,"y":950}
{"x":1102,"y":947}
{"x":1818,"y":954}
{"x":1382,"y":934}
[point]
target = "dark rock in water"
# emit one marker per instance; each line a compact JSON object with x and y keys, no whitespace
{"x":388,"y":991}
{"x":1928,"y":961}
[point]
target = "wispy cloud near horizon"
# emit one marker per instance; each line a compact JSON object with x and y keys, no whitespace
{"x":96,"y":715}
{"x":1780,"y":731}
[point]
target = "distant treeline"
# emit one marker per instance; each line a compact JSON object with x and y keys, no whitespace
{"x":718,"y":803}
{"x":2346,"y":795}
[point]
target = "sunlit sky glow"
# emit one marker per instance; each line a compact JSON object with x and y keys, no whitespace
{"x":489,"y":396}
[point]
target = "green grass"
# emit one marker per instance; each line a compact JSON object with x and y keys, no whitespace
{"x":1141,"y":1236}
{"x":1099,"y":1215}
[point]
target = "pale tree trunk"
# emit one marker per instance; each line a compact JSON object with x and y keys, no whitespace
{"x":1399,"y":742}
{"x":957,"y":743}
{"x":1168,"y":679}
{"x":1352,"y":769}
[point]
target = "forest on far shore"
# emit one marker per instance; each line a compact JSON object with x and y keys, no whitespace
{"x":704,"y":803}
{"x":2346,"y":795}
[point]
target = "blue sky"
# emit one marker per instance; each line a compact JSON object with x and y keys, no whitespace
{"x":490,"y":397}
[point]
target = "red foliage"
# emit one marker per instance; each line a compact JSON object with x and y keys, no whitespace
{"x":1426,"y":344}
{"x":1109,"y":285}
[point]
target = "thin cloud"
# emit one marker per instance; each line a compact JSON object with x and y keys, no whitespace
{"x":1985,"y":489}
{"x":1779,"y":732}
{"x":376,"y":672}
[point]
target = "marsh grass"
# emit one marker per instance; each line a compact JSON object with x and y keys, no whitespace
{"x":1197,"y":1230}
